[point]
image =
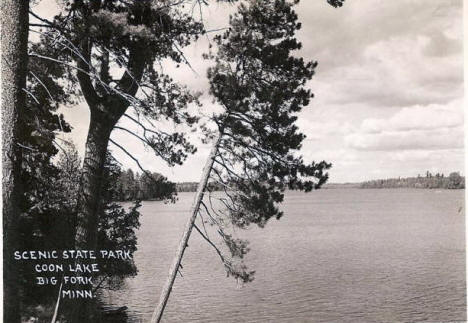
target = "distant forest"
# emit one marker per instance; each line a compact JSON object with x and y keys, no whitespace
{"x":192,"y":187}
{"x":429,"y":180}
{"x":132,"y":186}
{"x":453,"y":181}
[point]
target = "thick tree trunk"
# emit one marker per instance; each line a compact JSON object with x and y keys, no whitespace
{"x":89,"y":202}
{"x":14,"y":39}
{"x":106,"y":110}
{"x":89,"y":198}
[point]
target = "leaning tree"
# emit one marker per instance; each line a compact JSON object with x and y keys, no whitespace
{"x":117,"y":50}
{"x":261,"y":86}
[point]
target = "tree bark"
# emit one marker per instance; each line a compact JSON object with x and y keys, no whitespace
{"x":106,"y":109}
{"x":14,"y":41}
{"x":159,"y":310}
{"x":89,"y":198}
{"x":89,"y":202}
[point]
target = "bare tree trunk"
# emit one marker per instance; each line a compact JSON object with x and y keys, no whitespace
{"x":14,"y":41}
{"x":158,"y":312}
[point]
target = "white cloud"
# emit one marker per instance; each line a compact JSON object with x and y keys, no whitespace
{"x":413,"y":139}
{"x":412,"y":128}
{"x":419,"y":117}
{"x":396,"y":72}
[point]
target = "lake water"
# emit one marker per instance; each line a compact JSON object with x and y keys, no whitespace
{"x":337,"y":255}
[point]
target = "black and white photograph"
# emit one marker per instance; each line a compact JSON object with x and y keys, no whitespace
{"x":228,"y":161}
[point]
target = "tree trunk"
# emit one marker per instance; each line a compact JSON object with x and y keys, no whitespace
{"x":89,"y":202}
{"x":106,"y":109}
{"x":14,"y":41}
{"x":89,"y":198}
{"x":159,"y":310}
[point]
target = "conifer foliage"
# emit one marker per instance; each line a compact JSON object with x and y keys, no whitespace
{"x":262,"y":86}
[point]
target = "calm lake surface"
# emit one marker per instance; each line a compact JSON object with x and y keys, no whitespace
{"x":337,"y":255}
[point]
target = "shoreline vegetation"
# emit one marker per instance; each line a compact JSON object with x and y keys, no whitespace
{"x":428,"y":181}
{"x":132,"y":186}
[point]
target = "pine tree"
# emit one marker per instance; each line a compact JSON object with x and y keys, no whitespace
{"x":261,"y":86}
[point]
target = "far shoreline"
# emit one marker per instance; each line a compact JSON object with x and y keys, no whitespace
{"x":429,"y":181}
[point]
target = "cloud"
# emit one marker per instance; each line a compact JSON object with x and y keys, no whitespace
{"x":439,"y":139}
{"x":433,"y":127}
{"x":422,"y":156}
{"x":442,"y":45}
{"x":337,"y":37}
{"x":419,"y":117}
{"x":396,"y":72}
{"x":385,"y":53}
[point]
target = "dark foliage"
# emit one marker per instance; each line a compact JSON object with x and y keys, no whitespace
{"x":262,"y":86}
{"x":336,"y":3}
{"x":44,"y":221}
{"x":133,"y":37}
{"x":116,"y":229}
{"x":50,"y":223}
{"x":145,"y":186}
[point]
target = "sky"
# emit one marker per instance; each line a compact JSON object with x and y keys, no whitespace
{"x":388,"y":90}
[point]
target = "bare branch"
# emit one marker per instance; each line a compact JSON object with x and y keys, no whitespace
{"x":135,"y":160}
{"x":31,"y":95}
{"x":43,"y":85}
{"x":210,"y":242}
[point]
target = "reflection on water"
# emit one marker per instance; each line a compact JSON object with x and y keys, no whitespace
{"x":338,"y":255}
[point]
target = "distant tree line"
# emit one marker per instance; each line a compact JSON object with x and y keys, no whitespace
{"x":192,"y":187}
{"x":132,"y":186}
{"x":439,"y":180}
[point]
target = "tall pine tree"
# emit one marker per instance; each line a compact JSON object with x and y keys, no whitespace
{"x":261,"y":86}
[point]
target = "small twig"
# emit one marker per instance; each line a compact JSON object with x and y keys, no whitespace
{"x":26,"y":147}
{"x":54,"y":318}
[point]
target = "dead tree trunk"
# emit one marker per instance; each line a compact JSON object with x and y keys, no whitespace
{"x":14,"y":41}
{"x":158,"y":312}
